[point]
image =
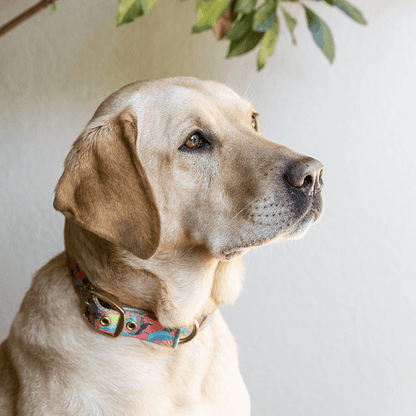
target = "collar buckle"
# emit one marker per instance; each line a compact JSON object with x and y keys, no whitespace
{"x":86,"y":304}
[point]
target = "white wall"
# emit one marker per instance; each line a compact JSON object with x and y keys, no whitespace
{"x":326,"y":325}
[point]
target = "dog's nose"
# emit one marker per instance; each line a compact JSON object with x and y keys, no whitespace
{"x":305,"y":175}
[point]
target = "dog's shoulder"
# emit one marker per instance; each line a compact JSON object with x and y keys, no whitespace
{"x":50,"y":284}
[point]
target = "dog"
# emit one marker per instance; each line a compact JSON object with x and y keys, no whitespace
{"x":170,"y":183}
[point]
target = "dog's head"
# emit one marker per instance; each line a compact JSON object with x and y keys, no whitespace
{"x":179,"y":162}
{"x":177,"y":173}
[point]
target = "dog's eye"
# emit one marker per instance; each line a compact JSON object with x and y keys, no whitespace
{"x":193,"y":141}
{"x":254,"y":121}
{"x":197,"y":142}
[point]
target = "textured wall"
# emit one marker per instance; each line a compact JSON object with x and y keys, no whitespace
{"x":325,"y":325}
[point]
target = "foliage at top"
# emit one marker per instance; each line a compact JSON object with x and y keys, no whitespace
{"x":247,"y":25}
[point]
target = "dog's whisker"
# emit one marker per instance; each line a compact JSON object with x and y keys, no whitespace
{"x":190,"y":249}
{"x":249,"y":85}
{"x":241,"y":210}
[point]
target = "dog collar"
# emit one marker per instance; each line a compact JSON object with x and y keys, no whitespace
{"x":113,"y":318}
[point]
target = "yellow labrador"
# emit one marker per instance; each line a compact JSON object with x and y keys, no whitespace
{"x":168,"y":186}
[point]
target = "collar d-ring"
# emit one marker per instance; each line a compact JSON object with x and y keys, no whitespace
{"x":192,"y":335}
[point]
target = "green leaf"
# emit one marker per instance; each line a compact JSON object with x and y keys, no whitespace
{"x":265,"y":16}
{"x":148,"y":4}
{"x":321,"y":34}
{"x":200,"y":29}
{"x":240,"y":27}
{"x":244,"y":6}
{"x":208,"y":11}
{"x":53,"y":7}
{"x":330,"y":2}
{"x":267,"y":44}
{"x":350,"y":10}
{"x":291,"y":23}
{"x":130,"y":10}
{"x":244,"y":44}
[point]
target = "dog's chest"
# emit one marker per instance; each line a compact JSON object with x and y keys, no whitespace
{"x":73,"y":370}
{"x":198,"y":379}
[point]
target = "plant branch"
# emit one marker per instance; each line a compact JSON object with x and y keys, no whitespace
{"x":43,"y":4}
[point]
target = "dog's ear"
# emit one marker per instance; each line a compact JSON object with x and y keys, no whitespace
{"x":104,"y":187}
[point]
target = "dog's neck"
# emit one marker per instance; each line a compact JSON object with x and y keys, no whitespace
{"x":178,"y":286}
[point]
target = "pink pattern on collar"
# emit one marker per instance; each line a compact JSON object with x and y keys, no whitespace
{"x":113,"y":319}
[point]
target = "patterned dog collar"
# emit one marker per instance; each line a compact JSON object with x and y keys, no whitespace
{"x":113,"y":318}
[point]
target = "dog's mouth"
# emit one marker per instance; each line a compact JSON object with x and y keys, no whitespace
{"x":294,"y":231}
{"x":312,"y":214}
{"x":298,"y":229}
{"x":231,"y":253}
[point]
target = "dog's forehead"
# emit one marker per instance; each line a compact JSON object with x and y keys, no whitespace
{"x":176,"y":94}
{"x":188,"y":94}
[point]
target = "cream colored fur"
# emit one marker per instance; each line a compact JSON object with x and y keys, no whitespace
{"x":159,"y":227}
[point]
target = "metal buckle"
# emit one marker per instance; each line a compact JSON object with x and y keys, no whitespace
{"x":86,"y":303}
{"x":192,"y":335}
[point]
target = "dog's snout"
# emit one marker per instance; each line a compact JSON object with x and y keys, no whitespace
{"x":305,"y":174}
